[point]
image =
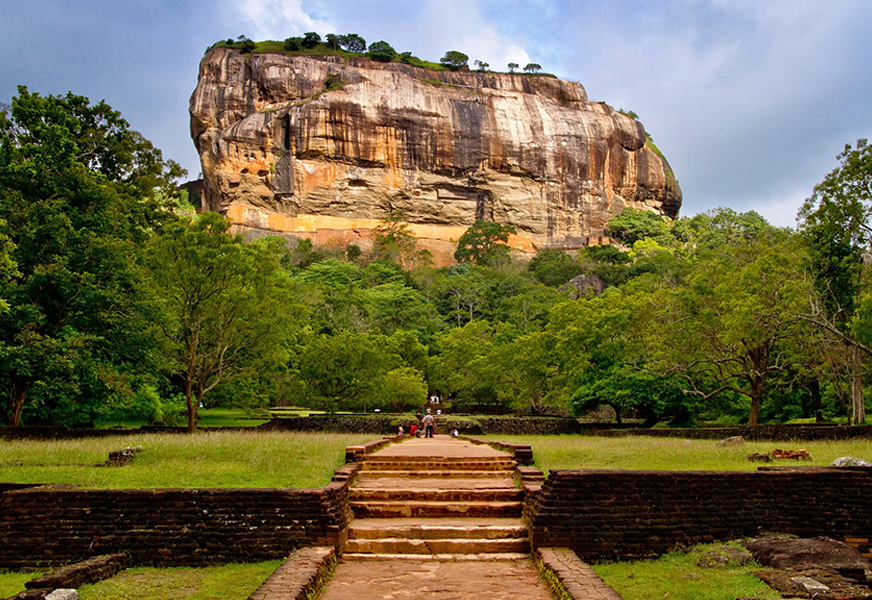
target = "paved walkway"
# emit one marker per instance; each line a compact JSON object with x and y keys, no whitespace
{"x":404,"y":579}
{"x":494,"y":574}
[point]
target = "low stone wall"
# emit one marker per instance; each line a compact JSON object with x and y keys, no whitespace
{"x":611,"y":515}
{"x":758,"y":432}
{"x":43,"y":526}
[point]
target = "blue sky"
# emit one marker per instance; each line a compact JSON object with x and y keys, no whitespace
{"x":750,"y":100}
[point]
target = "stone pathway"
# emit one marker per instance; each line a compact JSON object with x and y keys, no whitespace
{"x":403,"y":579}
{"x":440,"y":518}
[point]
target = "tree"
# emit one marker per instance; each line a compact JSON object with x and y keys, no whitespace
{"x":381,"y":51}
{"x":554,"y":267}
{"x":454,"y":59}
{"x":482,"y":66}
{"x":79,"y":190}
{"x":532,"y":68}
{"x":512,"y":66}
{"x":333,"y":40}
{"x":484,"y":243}
{"x":310,"y":40}
{"x":352,"y":42}
{"x":393,"y":240}
{"x":293,"y":44}
{"x":634,"y":224}
{"x":724,"y":330}
{"x":835,"y":222}
{"x":225,"y":304}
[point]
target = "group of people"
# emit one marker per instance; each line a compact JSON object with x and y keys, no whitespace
{"x":427,"y":423}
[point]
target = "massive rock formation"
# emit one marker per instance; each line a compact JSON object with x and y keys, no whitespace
{"x":326,"y":147}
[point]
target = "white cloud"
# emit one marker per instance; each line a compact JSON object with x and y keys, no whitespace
{"x":276,"y":19}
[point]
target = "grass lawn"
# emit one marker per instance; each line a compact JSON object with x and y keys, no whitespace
{"x":210,"y":417}
{"x":201,"y":460}
{"x":13,"y":583}
{"x":671,"y":454}
{"x":225,"y":582}
{"x":677,"y":577}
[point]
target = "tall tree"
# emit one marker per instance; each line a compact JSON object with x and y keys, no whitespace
{"x":835,"y":222}
{"x":724,"y":329}
{"x":226,"y":308}
{"x":484,"y":243}
{"x":79,"y":190}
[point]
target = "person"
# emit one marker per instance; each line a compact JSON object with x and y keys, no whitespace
{"x":429,"y":425}
{"x":413,"y":430}
{"x":401,"y":431}
{"x":454,"y":433}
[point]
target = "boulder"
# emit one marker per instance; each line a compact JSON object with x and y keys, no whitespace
{"x":847,"y":461}
{"x":326,"y":147}
{"x":821,"y":552}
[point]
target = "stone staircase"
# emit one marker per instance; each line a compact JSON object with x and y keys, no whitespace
{"x":445,"y":508}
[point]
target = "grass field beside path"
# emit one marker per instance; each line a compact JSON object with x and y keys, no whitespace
{"x":672,"y":454}
{"x":222,"y":459}
{"x":676,"y":576}
{"x":223,"y":582}
{"x":13,"y":583}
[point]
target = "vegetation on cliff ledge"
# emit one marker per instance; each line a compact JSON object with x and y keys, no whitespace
{"x":353,"y":46}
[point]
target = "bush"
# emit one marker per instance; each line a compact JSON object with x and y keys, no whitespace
{"x":381,"y":51}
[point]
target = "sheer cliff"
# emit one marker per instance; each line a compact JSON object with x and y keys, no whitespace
{"x":326,"y":147}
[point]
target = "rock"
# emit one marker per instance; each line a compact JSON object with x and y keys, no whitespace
{"x":722,"y":556}
{"x":736,"y":440}
{"x":580,"y":285}
{"x":63,"y":594}
{"x":283,"y":154}
{"x":811,"y":586}
{"x":822,"y":552}
{"x":847,"y":461}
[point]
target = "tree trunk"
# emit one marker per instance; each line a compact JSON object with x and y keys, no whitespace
{"x":192,"y":411}
{"x":858,"y":403}
{"x":756,"y":398}
{"x":814,"y":388}
{"x":16,"y":399}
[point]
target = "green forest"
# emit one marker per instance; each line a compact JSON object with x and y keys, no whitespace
{"x":117,"y":302}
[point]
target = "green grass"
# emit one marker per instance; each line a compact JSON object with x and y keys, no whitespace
{"x":671,"y":454}
{"x":202,"y":460}
{"x":210,"y":417}
{"x":675,"y":576}
{"x":13,"y":583}
{"x":225,"y":582}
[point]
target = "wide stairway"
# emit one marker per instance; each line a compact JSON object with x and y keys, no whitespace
{"x":438,"y":498}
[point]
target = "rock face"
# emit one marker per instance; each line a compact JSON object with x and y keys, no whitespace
{"x":326,"y":147}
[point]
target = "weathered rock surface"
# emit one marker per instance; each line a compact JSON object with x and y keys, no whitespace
{"x":283,"y":153}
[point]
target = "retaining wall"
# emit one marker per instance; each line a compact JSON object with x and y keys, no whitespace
{"x":167,"y":527}
{"x":758,"y":432}
{"x":610,"y":514}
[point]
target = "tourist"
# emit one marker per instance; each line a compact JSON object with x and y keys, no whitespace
{"x":454,"y":433}
{"x":413,"y":430}
{"x":429,"y":425}
{"x":401,"y":431}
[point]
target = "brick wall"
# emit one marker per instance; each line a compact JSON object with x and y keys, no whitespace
{"x":607,"y":514}
{"x":758,"y":432}
{"x":163,"y":527}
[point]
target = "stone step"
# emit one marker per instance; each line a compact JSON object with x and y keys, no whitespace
{"x":437,"y":529}
{"x":422,"y":483}
{"x":440,"y":474}
{"x":486,"y":557}
{"x":418,"y":465}
{"x":434,"y":495}
{"x":409,"y":508}
{"x":437,"y":546}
